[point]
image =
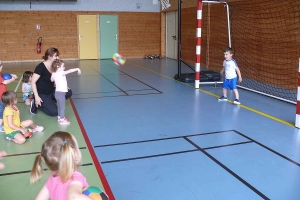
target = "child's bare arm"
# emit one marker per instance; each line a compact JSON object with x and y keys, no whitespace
{"x":222,"y":71}
{"x":239,"y":74}
{"x":73,"y":70}
{"x":12,"y":126}
{"x":75,"y":191}
{"x":13,"y":75}
{"x":43,"y":194}
{"x":13,"y":78}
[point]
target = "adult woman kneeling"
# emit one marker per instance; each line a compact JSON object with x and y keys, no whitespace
{"x":42,"y":86}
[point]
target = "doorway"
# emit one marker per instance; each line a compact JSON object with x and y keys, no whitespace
{"x":109,"y":37}
{"x":171,"y":34}
{"x":87,"y":36}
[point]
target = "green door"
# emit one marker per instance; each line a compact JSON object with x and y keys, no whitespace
{"x":109,"y":38}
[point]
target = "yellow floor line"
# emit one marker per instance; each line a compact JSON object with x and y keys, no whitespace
{"x":204,"y":91}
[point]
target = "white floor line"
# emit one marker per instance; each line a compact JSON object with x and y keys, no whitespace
{"x":18,"y":84}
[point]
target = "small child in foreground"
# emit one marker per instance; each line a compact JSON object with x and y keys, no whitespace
{"x":62,"y":157}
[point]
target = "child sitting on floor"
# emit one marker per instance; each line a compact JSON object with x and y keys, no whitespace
{"x":26,"y":87}
{"x":14,"y":128}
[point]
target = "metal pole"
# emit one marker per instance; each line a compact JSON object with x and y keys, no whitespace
{"x":198,"y":44}
{"x":297,"y":121}
{"x":179,"y":40}
{"x":228,"y":24}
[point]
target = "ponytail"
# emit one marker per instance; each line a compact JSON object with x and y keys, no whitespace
{"x":37,"y":169}
{"x":66,"y":164}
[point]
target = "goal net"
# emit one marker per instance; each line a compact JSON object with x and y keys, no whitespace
{"x":265,"y":39}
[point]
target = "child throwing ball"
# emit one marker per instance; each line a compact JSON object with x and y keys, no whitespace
{"x":59,"y":77}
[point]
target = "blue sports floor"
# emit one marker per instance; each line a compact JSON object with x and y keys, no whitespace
{"x":157,"y":138}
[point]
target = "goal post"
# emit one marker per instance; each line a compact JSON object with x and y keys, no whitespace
{"x":198,"y":37}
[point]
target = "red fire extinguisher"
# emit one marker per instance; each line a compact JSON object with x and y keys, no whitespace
{"x":39,"y":45}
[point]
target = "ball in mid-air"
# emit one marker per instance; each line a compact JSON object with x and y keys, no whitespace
{"x":118,"y":59}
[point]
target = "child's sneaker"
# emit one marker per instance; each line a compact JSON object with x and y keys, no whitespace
{"x":58,"y":118}
{"x":8,"y":138}
{"x":33,"y":108}
{"x":222,"y":98}
{"x":64,"y":121}
{"x":2,"y":129}
{"x":237,"y":101}
{"x":37,"y":129}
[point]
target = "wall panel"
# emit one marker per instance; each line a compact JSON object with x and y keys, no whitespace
{"x":139,"y":33}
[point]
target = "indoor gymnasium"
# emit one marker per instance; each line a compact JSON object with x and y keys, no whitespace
{"x":152,"y":114}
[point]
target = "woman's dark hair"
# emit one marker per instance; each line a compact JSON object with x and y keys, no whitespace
{"x":50,"y":52}
{"x":26,"y":76}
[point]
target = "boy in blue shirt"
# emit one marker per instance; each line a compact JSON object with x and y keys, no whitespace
{"x":231,"y":70}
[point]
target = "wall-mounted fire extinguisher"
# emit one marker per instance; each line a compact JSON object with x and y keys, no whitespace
{"x":39,"y":45}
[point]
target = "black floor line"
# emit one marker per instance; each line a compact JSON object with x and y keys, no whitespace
{"x":227,"y":145}
{"x":151,"y":156}
{"x":129,"y":95}
{"x":227,"y":169}
{"x":24,"y":154}
{"x":28,"y":171}
{"x":152,"y":140}
{"x":273,"y":151}
{"x":172,"y":153}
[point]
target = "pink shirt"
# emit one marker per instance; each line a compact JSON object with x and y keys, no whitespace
{"x":58,"y":190}
{"x":60,"y":80}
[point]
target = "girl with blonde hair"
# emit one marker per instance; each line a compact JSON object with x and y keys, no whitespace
{"x":62,"y":156}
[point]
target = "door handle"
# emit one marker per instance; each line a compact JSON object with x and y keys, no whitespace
{"x":174,"y":37}
{"x":79,"y":37}
{"x":116,"y":36}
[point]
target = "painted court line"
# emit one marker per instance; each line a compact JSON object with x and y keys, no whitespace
{"x":130,"y":95}
{"x":273,"y":151}
{"x":173,"y":153}
{"x":93,"y":155}
{"x":206,"y":148}
{"x":151,"y":156}
{"x":28,"y":171}
{"x":128,"y":76}
{"x":18,"y":84}
{"x":158,"y":139}
{"x":228,"y":170}
{"x":24,"y":154}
